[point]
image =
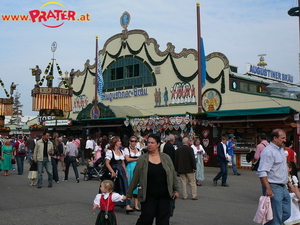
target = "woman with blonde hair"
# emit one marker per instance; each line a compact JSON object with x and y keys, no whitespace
{"x":6,"y":156}
{"x":132,"y":154}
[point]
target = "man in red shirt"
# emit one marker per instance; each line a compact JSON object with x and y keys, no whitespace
{"x":20,"y":155}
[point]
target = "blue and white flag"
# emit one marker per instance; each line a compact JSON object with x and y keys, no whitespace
{"x":100,"y":80}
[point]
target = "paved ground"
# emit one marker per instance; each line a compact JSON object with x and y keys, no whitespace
{"x":70,"y":203}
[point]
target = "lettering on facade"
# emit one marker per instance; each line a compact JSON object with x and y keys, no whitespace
{"x":263,"y":72}
{"x":125,"y":94}
{"x":43,"y":118}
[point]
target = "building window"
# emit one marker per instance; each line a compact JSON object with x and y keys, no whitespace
{"x":243,"y":86}
{"x":253,"y":88}
{"x":128,"y":72}
{"x":234,"y":85}
{"x":259,"y":89}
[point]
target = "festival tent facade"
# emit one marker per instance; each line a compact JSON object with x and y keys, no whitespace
{"x":136,"y":86}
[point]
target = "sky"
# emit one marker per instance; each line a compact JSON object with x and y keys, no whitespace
{"x":240,"y":29}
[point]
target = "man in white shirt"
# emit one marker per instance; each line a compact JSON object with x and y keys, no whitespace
{"x":89,"y":146}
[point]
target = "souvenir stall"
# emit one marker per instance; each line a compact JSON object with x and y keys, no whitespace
{"x":247,"y":124}
{"x":163,"y":125}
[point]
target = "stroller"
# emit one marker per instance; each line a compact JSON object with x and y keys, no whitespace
{"x":96,"y":171}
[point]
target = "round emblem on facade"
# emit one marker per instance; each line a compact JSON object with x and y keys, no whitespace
{"x":211,"y":100}
{"x":95,"y":112}
{"x":125,"y":20}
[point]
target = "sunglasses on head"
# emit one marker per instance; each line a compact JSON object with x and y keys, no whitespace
{"x":133,"y":141}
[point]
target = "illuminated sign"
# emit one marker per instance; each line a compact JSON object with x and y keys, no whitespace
{"x":270,"y":74}
{"x":125,"y":94}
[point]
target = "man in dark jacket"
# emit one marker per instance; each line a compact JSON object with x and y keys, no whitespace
{"x":169,"y":148}
{"x":222,"y":151}
{"x":185,"y":165}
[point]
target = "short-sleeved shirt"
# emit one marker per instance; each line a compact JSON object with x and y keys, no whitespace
{"x":132,"y":154}
{"x":109,"y":155}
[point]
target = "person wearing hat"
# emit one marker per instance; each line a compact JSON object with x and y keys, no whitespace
{"x":231,"y":146}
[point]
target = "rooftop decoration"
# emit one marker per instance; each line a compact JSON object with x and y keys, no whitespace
{"x":6,"y":104}
{"x":51,"y":97}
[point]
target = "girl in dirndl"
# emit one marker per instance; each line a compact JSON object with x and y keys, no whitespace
{"x":115,"y":163}
{"x":106,"y":202}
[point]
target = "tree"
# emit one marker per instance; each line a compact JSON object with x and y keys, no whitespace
{"x":17,"y":113}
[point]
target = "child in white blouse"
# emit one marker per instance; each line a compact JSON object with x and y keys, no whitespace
{"x":106,"y":202}
{"x":295,"y":196}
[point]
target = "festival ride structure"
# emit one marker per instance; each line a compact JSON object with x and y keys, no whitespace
{"x":51,"y":102}
{"x":6,"y":107}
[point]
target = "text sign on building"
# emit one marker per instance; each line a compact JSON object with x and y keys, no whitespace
{"x":270,"y":74}
{"x":58,"y":122}
{"x":43,"y":118}
{"x":125,"y":94}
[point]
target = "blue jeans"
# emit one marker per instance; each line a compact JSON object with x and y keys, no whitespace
{"x":29,"y":156}
{"x":82,"y":157}
{"x":223,"y":172}
{"x":71,"y":160}
{"x":48,"y":166}
{"x":233,"y":163}
{"x":281,"y":204}
{"x":20,"y":163}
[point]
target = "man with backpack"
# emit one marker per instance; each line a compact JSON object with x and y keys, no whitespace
{"x":20,"y":149}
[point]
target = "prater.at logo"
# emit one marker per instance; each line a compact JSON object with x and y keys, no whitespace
{"x":57,"y":15}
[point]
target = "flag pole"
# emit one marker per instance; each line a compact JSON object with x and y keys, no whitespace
{"x":199,"y":59}
{"x":96,"y":76}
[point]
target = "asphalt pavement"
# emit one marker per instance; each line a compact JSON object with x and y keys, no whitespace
{"x":70,"y":203}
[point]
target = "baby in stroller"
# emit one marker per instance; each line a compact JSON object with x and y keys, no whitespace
{"x":94,"y":169}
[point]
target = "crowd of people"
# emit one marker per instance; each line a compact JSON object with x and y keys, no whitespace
{"x":146,"y":169}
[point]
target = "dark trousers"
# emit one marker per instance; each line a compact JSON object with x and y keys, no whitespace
{"x":54,"y":169}
{"x":223,"y":172}
{"x":158,"y":208}
{"x":71,"y":160}
{"x":88,"y":153}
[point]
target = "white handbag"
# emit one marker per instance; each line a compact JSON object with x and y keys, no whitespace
{"x":228,"y":157}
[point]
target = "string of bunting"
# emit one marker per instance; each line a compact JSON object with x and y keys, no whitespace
{"x":2,"y":84}
{"x":45,"y":74}
{"x":157,"y":123}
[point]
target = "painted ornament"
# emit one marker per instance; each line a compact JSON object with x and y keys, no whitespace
{"x":205,"y":133}
{"x":182,"y":126}
{"x":126,"y":123}
{"x":205,"y":142}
